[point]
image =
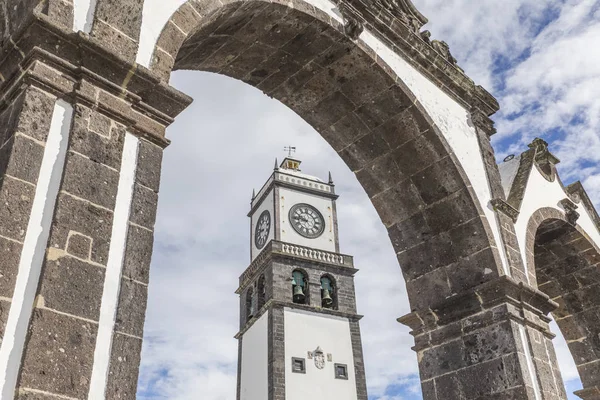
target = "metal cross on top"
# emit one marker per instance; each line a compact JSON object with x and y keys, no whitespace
{"x":290,"y":150}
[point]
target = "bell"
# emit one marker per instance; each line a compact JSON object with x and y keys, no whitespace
{"x":299,"y":294}
{"x":326,"y":299}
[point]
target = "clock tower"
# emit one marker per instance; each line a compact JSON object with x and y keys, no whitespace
{"x":299,"y":335}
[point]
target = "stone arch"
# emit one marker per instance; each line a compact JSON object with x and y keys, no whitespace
{"x":566,"y":264}
{"x":366,"y":114}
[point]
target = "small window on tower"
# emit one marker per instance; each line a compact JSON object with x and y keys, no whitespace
{"x":298,"y":365}
{"x":341,"y":371}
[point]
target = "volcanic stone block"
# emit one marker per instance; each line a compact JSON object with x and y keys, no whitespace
{"x":442,"y":359}
{"x":16,"y":198}
{"x":81,"y":216}
{"x":79,"y":245}
{"x":36,"y":115}
{"x":124,"y":367}
{"x":117,"y":25}
{"x":143,"y":207}
{"x":59,"y":354}
{"x":61,"y":12}
{"x":138,"y":254}
{"x":90,"y":181}
{"x":149,"y":165}
{"x":73,"y":286}
{"x":96,"y":137}
{"x":490,"y":343}
{"x":4,"y":309}
{"x":10,"y":254}
{"x":132,"y":308}
{"x":22,"y":157}
{"x":381,"y":175}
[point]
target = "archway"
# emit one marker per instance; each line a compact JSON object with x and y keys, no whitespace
{"x":108,"y":119}
{"x":382,"y":133}
{"x":567,"y":268}
{"x":369,"y":117}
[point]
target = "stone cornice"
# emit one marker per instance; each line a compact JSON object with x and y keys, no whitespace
{"x":503,"y":289}
{"x":399,"y":25}
{"x":505,"y":208}
{"x":274,"y":250}
{"x":75,"y":66}
{"x":271,"y":304}
{"x":579,"y":195}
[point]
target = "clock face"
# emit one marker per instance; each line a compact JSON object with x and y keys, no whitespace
{"x":261,"y":232}
{"x":307,"y":220}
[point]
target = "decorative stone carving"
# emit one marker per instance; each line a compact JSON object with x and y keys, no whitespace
{"x":319,"y":358}
{"x":544,"y":160}
{"x":570,"y":213}
{"x":442,"y":48}
{"x":353,"y":28}
{"x":404,"y":10}
{"x":483,"y":122}
{"x":505,"y":208}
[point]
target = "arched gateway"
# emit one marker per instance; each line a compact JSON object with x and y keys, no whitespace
{"x":84,"y":107}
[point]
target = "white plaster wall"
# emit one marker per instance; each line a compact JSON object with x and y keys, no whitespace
{"x":254,"y":375}
{"x":84,"y":15}
{"x":267,"y":204}
{"x":540,"y":194}
{"x":450,"y":117}
{"x":304,"y":332}
{"x":287,"y":199}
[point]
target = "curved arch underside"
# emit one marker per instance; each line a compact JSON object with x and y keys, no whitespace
{"x":375,"y":125}
{"x":568,"y":270}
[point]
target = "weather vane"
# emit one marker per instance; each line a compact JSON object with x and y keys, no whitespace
{"x":290,"y":150}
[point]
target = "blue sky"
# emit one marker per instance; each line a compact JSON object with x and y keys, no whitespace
{"x":534,"y":56}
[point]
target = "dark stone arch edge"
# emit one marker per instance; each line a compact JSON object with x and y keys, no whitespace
{"x":403,"y":39}
{"x":190,"y":21}
{"x":535,"y":221}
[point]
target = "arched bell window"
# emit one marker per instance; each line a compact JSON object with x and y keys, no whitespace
{"x":250,"y":304}
{"x":262,"y":294}
{"x":328,"y":292}
{"x":299,"y":287}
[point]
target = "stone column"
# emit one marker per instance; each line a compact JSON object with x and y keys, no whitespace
{"x":493,"y":342}
{"x":80,"y":159}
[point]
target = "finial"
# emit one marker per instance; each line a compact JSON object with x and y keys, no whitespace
{"x":290,"y":150}
{"x":276,"y":164}
{"x":330,"y":178}
{"x":253,"y":194}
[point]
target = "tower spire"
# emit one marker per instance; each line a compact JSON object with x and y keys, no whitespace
{"x":276,"y":164}
{"x":330,"y":178}
{"x":253,"y":193}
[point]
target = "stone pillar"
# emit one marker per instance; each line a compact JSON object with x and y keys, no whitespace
{"x":493,"y":342}
{"x":505,"y":214}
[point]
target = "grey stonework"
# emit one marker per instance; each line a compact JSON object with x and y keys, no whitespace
{"x":567,"y":268}
{"x":458,"y":295}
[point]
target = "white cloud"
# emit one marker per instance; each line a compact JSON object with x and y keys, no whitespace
{"x":202,"y":229}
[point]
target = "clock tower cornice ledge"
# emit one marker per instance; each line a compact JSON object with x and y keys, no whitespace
{"x":281,"y":179}
{"x":271,"y":304}
{"x":276,"y":250}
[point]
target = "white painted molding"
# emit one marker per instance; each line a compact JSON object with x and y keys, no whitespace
{"x":112,"y":280}
{"x":34,"y":247}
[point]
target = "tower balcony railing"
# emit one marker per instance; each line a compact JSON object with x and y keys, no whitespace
{"x":313,"y":254}
{"x":275,"y":247}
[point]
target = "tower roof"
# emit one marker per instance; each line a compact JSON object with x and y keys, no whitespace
{"x":291,"y":166}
